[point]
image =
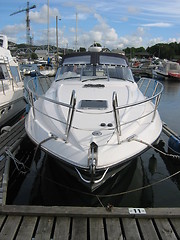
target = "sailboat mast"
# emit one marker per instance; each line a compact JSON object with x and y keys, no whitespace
{"x":76,"y":31}
{"x":48,"y":27}
{"x":57,"y":40}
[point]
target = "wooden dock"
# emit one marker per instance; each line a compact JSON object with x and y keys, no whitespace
{"x":76,"y":223}
{"x":9,"y":141}
{"x":72,"y":223}
{"x":143,"y":72}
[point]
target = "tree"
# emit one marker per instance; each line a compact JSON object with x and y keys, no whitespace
{"x":82,"y":49}
{"x":34,"y":56}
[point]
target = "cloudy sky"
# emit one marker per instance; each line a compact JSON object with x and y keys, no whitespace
{"x":114,"y":23}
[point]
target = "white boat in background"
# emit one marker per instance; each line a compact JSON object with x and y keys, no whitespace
{"x":168,"y":69}
{"x":11,"y":85}
{"x":47,"y":70}
{"x":95,"y":47}
{"x":95,"y":119}
{"x":40,"y":62}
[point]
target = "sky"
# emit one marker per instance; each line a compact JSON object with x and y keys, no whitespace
{"x":112,"y":23}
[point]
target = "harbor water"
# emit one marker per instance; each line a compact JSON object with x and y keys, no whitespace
{"x":151,"y":180}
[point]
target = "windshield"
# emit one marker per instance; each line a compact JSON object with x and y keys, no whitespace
{"x":94,"y":72}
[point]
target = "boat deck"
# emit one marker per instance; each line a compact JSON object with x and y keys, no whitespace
{"x":65,"y":222}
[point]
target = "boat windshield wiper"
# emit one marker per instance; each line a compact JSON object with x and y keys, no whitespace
{"x":93,"y":79}
{"x":124,"y":79}
{"x":67,"y":78}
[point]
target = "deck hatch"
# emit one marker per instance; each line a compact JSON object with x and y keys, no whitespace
{"x":93,"y":104}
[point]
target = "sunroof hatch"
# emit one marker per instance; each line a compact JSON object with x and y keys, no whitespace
{"x":93,"y":104}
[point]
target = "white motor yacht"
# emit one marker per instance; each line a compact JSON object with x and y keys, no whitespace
{"x":95,"y":119}
{"x":168,"y":69}
{"x":95,"y":47}
{"x":11,"y":85}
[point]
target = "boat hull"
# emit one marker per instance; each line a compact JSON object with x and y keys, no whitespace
{"x":83,"y":175}
{"x":174,"y":76}
{"x":11,"y":110}
{"x":96,"y":183}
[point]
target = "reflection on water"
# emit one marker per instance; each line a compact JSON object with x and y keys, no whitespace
{"x":43,"y":184}
{"x":169,"y":105}
{"x":47,"y":184}
{"x":64,"y":189}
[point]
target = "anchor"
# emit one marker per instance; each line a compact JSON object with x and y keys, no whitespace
{"x":92,"y":160}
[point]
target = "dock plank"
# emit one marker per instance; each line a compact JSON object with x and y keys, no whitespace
{"x":57,"y":223}
{"x":165,"y":230}
{"x":96,"y":229}
{"x":2,"y":218}
{"x":147,"y":229}
{"x":113,"y":228}
{"x":70,"y":211}
{"x":8,"y":138}
{"x":44,"y":228}
{"x":176,"y":225}
{"x":9,"y":141}
{"x":14,"y":128}
{"x":27,"y":228}
{"x":79,"y":228}
{"x":130,"y":228}
{"x":62,"y":228}
{"x":10,"y":227}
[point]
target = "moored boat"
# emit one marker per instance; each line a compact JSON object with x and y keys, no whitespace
{"x":95,"y":119}
{"x":175,"y":76}
{"x":168,"y":69}
{"x":11,"y":85}
{"x":47,"y":70}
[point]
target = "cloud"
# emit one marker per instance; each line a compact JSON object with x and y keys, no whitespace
{"x":166,"y":9}
{"x":14,"y":32}
{"x":80,"y":16}
{"x":159,"y":24}
{"x":41,"y":37}
{"x":133,"y":10}
{"x":84,"y":8}
{"x":154,"y":41}
{"x":41,"y":16}
{"x":124,"y":19}
{"x":113,"y":25}
{"x":101,"y":33}
{"x":102,"y":18}
{"x":173,"y":40}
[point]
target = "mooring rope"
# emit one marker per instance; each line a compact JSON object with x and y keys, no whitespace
{"x":98,"y":196}
{"x":156,"y":149}
{"x":140,"y":188}
{"x":39,"y":145}
{"x":16,"y":161}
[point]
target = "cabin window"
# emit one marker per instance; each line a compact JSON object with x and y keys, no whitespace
{"x":1,"y":73}
{"x":119,"y":72}
{"x":1,"y":42}
{"x":78,"y":60}
{"x":173,"y":67}
{"x":113,"y":60}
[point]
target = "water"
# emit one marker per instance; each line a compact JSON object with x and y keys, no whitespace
{"x":44,"y":185}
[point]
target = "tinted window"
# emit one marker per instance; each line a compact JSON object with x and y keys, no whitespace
{"x":78,"y":60}
{"x":93,"y":104}
{"x":113,"y":60}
